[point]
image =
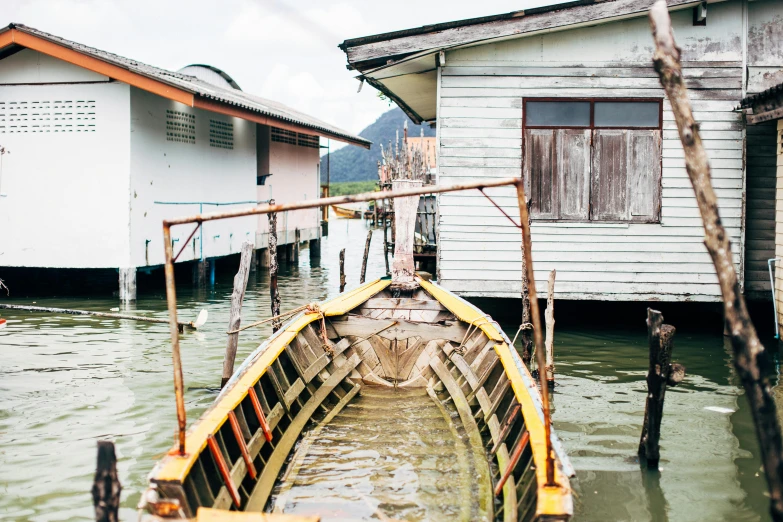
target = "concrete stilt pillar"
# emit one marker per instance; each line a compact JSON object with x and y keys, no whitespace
{"x":295,"y":249}
{"x":265,"y":258}
{"x":127,"y":284}
{"x":315,"y":248}
{"x":212,"y":272}
{"x":290,"y":255}
{"x":254,"y":261}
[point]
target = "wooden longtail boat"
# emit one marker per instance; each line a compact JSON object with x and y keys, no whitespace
{"x":240,"y":445}
{"x":403,"y":334}
{"x":347,"y":212}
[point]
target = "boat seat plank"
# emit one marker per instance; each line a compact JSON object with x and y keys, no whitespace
{"x":365,"y":327}
{"x":402,"y":304}
{"x":268,"y":476}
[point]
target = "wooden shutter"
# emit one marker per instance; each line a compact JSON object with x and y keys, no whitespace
{"x":609,"y":194}
{"x":540,"y":173}
{"x":573,"y":161}
{"x":644,"y":174}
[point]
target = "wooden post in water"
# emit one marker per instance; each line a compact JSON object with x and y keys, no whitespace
{"x":386,"y":240}
{"x":660,"y":338}
{"x":364,"y":259}
{"x":342,"y":270}
{"x":273,"y":291}
{"x":526,"y":335}
{"x":106,"y":486}
{"x":749,"y":353}
{"x":549,"y":319}
{"x":295,"y":250}
{"x":235,"y":317}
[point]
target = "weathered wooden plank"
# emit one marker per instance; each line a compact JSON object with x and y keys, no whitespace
{"x":403,"y":304}
{"x":319,"y":364}
{"x":269,"y":474}
{"x":293,"y":392}
{"x":579,"y":82}
{"x":365,"y":327}
{"x":469,"y":423}
{"x":608,"y":71}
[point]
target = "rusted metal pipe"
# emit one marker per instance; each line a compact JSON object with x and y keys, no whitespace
{"x":171,"y":299}
{"x":537,"y":334}
{"x":337,"y":200}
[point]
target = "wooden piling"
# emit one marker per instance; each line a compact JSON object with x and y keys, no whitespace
{"x":342,"y":270}
{"x":106,"y":486}
{"x":295,"y":249}
{"x":386,"y":242}
{"x":364,"y":259}
{"x":749,"y":353}
{"x":274,"y":292}
{"x":526,"y":335}
{"x":549,"y":318}
{"x":235,"y":317}
{"x":661,"y":373}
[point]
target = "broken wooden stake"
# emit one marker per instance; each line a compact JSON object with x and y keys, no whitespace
{"x":749,"y":353}
{"x":364,"y":259}
{"x":549,"y":318}
{"x":273,"y":291}
{"x":235,"y":317}
{"x":342,"y":270}
{"x":661,"y":373}
{"x":106,"y":486}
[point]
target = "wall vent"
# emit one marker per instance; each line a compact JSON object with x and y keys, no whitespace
{"x":283,"y":136}
{"x":306,"y":140}
{"x":221,"y":134}
{"x":18,"y":117}
{"x":180,"y":126}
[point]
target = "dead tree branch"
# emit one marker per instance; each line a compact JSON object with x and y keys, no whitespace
{"x":749,"y":354}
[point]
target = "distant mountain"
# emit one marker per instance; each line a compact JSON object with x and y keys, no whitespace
{"x":353,"y":163}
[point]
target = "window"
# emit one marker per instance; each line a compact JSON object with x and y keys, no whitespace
{"x":593,"y":160}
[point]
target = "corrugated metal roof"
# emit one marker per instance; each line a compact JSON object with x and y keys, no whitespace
{"x":198,"y":87}
{"x":755,"y":99}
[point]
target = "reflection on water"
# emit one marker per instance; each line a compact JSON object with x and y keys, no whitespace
{"x":66,"y":382}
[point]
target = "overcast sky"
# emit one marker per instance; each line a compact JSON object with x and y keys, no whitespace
{"x":279,"y":49}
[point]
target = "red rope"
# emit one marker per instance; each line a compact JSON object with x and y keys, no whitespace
{"x":498,"y":207}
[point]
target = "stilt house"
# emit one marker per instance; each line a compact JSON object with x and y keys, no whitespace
{"x":567,"y":97}
{"x":101,"y":148}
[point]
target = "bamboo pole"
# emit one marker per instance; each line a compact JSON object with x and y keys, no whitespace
{"x":106,"y":487}
{"x":749,"y":353}
{"x":364,"y":259}
{"x":549,"y":318}
{"x":235,"y":317}
{"x":273,"y":266}
{"x":68,"y":311}
{"x":342,"y":270}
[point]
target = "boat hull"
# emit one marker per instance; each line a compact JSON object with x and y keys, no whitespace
{"x":323,"y":358}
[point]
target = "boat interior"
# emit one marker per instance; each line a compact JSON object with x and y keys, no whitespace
{"x":434,"y":348}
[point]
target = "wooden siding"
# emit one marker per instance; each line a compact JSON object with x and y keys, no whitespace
{"x":480,"y":135}
{"x":760,"y":208}
{"x":779,"y":225}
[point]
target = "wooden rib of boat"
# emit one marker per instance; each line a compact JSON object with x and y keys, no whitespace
{"x":347,"y":212}
{"x":322,"y":359}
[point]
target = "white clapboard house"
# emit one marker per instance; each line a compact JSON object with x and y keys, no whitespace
{"x":101,"y":148}
{"x":567,"y":96}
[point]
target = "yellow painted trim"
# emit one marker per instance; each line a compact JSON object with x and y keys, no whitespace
{"x":551,"y":501}
{"x":174,"y":467}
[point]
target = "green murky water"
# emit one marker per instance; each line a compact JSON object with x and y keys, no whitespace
{"x":66,"y":382}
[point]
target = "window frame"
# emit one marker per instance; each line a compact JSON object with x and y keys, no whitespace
{"x":592,"y":128}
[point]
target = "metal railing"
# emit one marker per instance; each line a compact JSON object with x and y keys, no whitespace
{"x":523,"y":225}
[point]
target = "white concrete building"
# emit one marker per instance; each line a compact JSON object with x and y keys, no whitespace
{"x":567,"y":96}
{"x":103,"y":148}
